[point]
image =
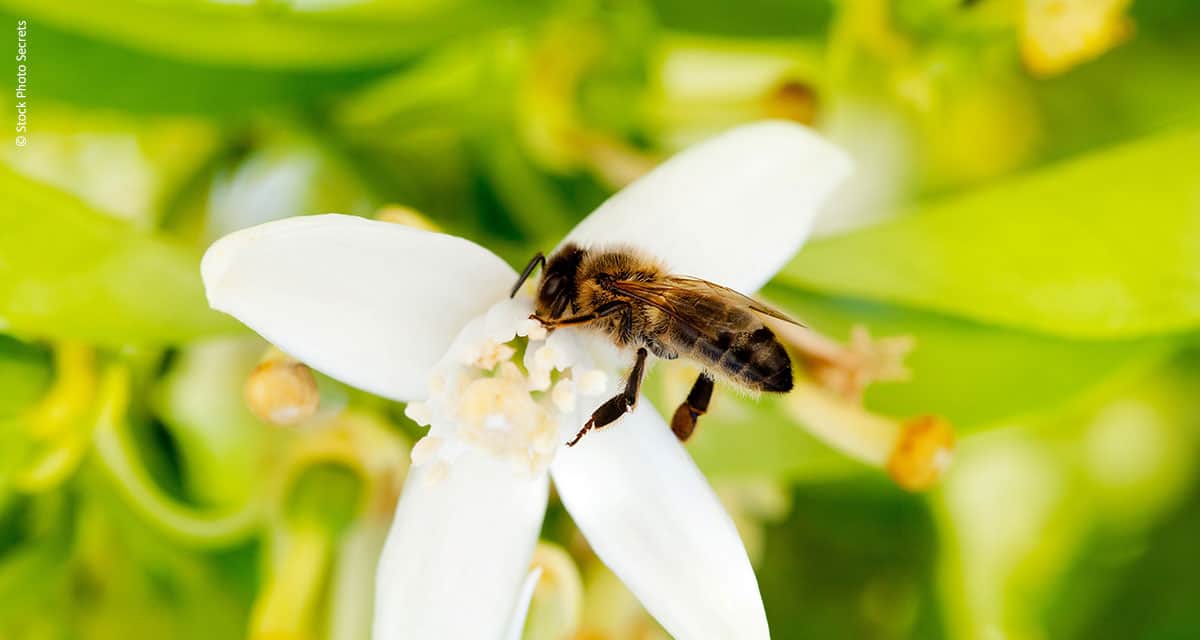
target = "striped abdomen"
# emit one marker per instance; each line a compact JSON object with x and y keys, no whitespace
{"x":752,"y":358}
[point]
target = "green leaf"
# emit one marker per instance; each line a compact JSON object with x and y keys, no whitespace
{"x":970,"y":373}
{"x":24,"y":375}
{"x":68,"y":271}
{"x":854,"y":560}
{"x":81,"y":70}
{"x":753,"y":18}
{"x":1104,"y":246}
{"x":1092,"y":481}
{"x":1085,"y":110}
{"x":974,"y":375}
{"x":269,"y":34}
{"x":1160,"y":587}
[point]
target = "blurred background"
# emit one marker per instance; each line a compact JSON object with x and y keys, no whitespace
{"x":1019,"y":255}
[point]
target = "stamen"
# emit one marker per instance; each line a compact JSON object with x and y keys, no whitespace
{"x":532,"y":329}
{"x":539,"y":380}
{"x":849,"y":369}
{"x":546,"y":358}
{"x":425,"y":449}
{"x":563,"y":396}
{"x":922,"y":453}
{"x":282,"y":390}
{"x":497,"y":422}
{"x":915,"y":453}
{"x":492,"y":354}
{"x":482,"y":397}
{"x":592,"y":383}
{"x":1056,"y":35}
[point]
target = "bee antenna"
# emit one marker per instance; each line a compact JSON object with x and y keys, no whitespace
{"x":538,"y":259}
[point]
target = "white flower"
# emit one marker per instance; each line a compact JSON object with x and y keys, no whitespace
{"x":425,"y":318}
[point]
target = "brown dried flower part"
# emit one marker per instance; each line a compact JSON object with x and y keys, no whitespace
{"x":848,"y":369}
{"x":792,"y":100}
{"x":282,"y":390}
{"x":1056,"y":35}
{"x":829,"y":404}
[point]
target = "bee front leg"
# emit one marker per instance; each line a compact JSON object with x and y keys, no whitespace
{"x":620,"y":404}
{"x":684,"y":421}
{"x":603,"y":311}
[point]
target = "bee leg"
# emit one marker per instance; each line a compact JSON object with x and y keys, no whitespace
{"x":661,"y":350}
{"x":619,"y":404}
{"x":696,"y":405}
{"x":603,"y":311}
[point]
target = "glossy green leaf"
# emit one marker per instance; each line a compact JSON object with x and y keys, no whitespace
{"x":86,"y":71}
{"x":1104,"y":246}
{"x":67,"y":271}
{"x":271,"y":35}
{"x":972,"y":374}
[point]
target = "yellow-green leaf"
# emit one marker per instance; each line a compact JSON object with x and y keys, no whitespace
{"x":270,"y":34}
{"x":68,"y":271}
{"x":1103,"y":246}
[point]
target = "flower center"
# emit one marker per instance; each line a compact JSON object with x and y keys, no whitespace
{"x":507,"y":388}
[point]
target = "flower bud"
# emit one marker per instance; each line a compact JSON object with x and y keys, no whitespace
{"x":282,"y":391}
{"x":792,"y":100}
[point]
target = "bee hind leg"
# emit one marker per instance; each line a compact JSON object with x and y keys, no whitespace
{"x":618,"y":405}
{"x":683,"y":423}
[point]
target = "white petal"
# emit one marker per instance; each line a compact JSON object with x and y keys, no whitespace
{"x":459,"y":551}
{"x":733,"y":209}
{"x":373,"y":304}
{"x":651,"y":516}
{"x":516,"y":626}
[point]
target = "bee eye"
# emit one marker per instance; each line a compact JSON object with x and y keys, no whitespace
{"x":552,"y":288}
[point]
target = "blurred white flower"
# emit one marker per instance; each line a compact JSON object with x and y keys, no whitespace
{"x":425,"y":318}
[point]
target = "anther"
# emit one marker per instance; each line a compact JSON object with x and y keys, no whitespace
{"x":922,"y":453}
{"x":282,"y":390}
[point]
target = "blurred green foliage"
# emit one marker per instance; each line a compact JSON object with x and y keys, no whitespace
{"x":1038,"y":236}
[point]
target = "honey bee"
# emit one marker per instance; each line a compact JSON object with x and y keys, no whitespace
{"x":634,"y":301}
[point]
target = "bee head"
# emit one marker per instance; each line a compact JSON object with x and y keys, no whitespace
{"x":557,"y":289}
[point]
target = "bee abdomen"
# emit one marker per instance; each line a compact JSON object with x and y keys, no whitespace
{"x":755,"y":359}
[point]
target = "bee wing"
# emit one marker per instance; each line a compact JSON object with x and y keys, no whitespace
{"x":677,"y":296}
